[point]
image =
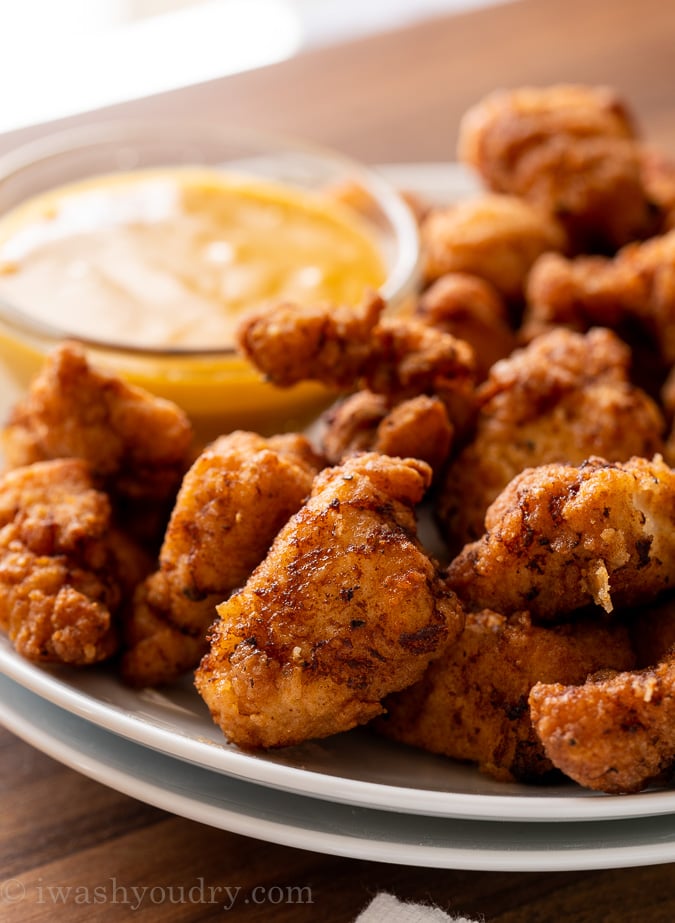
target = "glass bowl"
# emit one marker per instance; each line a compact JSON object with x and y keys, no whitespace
{"x":215,"y":385}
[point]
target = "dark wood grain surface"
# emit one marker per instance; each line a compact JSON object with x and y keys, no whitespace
{"x":395,"y":97}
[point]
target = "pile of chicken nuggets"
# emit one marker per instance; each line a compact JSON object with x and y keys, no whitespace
{"x":526,"y":400}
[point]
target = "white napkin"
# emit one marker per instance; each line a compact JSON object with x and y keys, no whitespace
{"x":385,"y":908}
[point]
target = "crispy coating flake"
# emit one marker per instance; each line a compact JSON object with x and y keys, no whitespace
{"x":367,"y":422}
{"x":471,"y":704}
{"x":63,"y":570}
{"x":344,"y":347}
{"x":495,"y":237}
{"x":234,"y":499}
{"x":616,"y":732}
{"x":345,"y":609}
{"x":635,"y":291}
{"x":561,"y":537}
{"x":561,"y":399}
{"x":570,"y":151}
{"x":470,"y":309}
{"x":136,"y":444}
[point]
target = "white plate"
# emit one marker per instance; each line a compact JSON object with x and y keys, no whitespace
{"x":359,"y":833}
{"x":356,"y":768}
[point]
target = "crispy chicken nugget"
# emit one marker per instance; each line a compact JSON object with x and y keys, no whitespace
{"x":616,"y":732}
{"x":563,"y":398}
{"x":289,"y":342}
{"x":234,"y":499}
{"x":472,"y":703}
{"x":367,"y":422}
{"x":495,"y":237}
{"x":347,"y":347}
{"x":136,"y":444}
{"x":470,"y":309}
{"x":634,"y":293}
{"x":569,"y":150}
{"x":561,"y":537}
{"x":345,"y":609}
{"x":64,"y":570}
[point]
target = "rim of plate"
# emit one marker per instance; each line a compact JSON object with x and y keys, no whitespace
{"x":156,"y":734}
{"x":289,"y":820}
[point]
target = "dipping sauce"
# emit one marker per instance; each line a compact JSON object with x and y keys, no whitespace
{"x":168,"y":258}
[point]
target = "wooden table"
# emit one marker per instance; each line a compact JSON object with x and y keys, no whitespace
{"x":396,"y":97}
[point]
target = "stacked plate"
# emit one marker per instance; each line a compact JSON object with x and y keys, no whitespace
{"x":352,"y":795}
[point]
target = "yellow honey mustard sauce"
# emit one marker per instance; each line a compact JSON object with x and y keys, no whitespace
{"x":171,"y":258}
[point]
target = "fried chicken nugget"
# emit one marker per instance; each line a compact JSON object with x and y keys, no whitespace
{"x":344,"y":347}
{"x":367,"y":422}
{"x":472,"y":703}
{"x":561,"y":537}
{"x":64,"y":570}
{"x":345,"y":609}
{"x":495,"y":237}
{"x":616,"y":732}
{"x":470,"y":309}
{"x":561,"y":399}
{"x":569,"y":150}
{"x":234,"y":499}
{"x":635,"y":291}
{"x":136,"y":444}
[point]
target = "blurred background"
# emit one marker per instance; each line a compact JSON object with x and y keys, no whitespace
{"x":61,"y":57}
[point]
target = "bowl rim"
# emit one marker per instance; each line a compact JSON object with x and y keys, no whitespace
{"x":400,"y":281}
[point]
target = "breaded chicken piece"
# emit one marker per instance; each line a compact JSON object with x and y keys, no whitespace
{"x":345,"y":609}
{"x":136,"y":444}
{"x":570,"y":151}
{"x":471,"y":704}
{"x":347,"y":347}
{"x":634,"y":293}
{"x":495,"y":237}
{"x":234,"y":499}
{"x":367,"y":422}
{"x":64,"y":570}
{"x":616,"y":732}
{"x":561,"y":399}
{"x":561,"y":537}
{"x":289,"y":342}
{"x":470,"y":309}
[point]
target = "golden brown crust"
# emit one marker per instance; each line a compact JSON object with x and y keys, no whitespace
{"x":136,"y":444}
{"x":570,"y":151}
{"x":367,"y":422}
{"x":471,"y":703}
{"x":495,"y":237}
{"x":560,"y":538}
{"x":289,"y":342}
{"x":616,"y":732}
{"x":633,"y":291}
{"x":563,"y":398}
{"x":346,"y":348}
{"x":234,"y":499}
{"x":470,"y":309}
{"x":345,"y":609}
{"x":64,"y":572}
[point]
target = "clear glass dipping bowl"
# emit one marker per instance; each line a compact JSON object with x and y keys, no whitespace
{"x":216,"y":387}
